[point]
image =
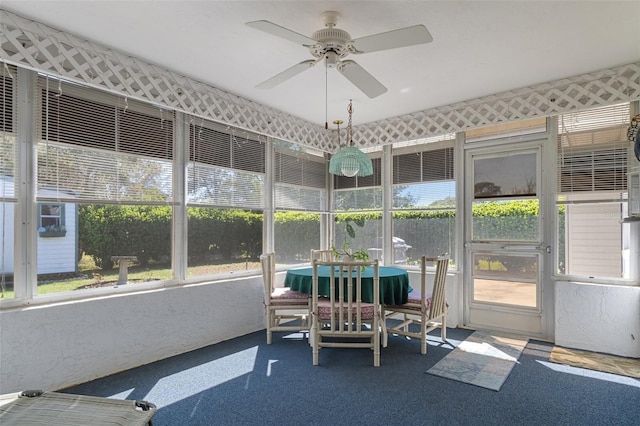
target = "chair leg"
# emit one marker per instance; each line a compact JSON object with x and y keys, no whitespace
{"x":423,"y":336}
{"x":313,"y":339}
{"x":443,"y":331}
{"x":385,"y":334}
{"x":376,"y":350}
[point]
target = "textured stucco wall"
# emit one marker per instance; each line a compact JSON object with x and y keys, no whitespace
{"x":55,"y":346}
{"x":600,"y":318}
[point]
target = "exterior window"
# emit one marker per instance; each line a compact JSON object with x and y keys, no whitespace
{"x":52,"y":220}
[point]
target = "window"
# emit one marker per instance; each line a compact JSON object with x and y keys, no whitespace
{"x":592,"y":196}
{"x":506,"y":199}
{"x":300,"y":194}
{"x":424,"y":201}
{"x":225,"y":200}
{"x":105,"y":173}
{"x":52,"y":220}
{"x":7,"y":178}
{"x":358,"y":211}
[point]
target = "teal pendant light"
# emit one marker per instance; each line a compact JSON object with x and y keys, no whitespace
{"x":349,"y":161}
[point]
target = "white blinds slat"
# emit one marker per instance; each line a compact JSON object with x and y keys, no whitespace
{"x":298,"y":198}
{"x":75,"y":173}
{"x":216,"y":186}
{"x":593,"y":150}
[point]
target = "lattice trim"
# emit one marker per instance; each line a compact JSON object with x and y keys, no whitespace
{"x":36,"y":46}
{"x":607,"y":87}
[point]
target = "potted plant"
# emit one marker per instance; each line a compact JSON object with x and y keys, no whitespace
{"x":358,"y":255}
{"x":52,"y":231}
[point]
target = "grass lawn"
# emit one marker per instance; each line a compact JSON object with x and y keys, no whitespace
{"x":89,"y":276}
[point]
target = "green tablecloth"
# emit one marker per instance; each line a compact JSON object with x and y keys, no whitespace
{"x":394,"y":283}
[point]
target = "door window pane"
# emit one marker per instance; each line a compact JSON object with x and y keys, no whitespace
{"x":505,"y":176}
{"x":506,"y":220}
{"x":505,"y":279}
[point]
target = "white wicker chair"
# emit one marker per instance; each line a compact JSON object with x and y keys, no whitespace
{"x":428,"y":310}
{"x":342,"y":319}
{"x":322,"y":255}
{"x":281,"y":303}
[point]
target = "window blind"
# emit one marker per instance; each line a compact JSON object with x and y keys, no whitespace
{"x":359,"y":192}
{"x":593,"y":150}
{"x":226,"y":167}
{"x":344,"y":182}
{"x":7,"y":136}
{"x":98,"y":147}
{"x":300,"y":180}
{"x":7,"y":76}
{"x":507,"y":130}
{"x":423,"y":166}
{"x":424,"y":179}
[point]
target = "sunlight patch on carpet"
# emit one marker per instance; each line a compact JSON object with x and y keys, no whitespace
{"x":483,"y":359}
{"x":596,"y":361}
{"x":192,"y":381}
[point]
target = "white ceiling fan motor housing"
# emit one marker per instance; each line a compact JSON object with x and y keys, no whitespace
{"x":331,"y":39}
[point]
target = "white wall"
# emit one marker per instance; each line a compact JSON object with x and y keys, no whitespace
{"x":599,"y":318}
{"x":56,"y":346}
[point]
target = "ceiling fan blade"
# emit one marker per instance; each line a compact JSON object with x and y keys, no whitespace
{"x":361,"y":79}
{"x":409,"y":36}
{"x":286,"y":74}
{"x":282,"y":32}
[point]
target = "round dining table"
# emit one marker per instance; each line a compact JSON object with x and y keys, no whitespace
{"x":394,"y":283}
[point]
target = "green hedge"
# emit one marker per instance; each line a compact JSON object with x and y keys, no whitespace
{"x":146,"y":231}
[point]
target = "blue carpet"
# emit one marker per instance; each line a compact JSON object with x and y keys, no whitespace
{"x":244,"y":381}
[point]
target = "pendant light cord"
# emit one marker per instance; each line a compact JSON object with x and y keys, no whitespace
{"x":326,"y":98}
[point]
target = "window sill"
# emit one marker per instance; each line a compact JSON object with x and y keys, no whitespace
{"x":54,"y":234}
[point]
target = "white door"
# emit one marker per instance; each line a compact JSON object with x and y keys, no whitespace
{"x":504,"y":247}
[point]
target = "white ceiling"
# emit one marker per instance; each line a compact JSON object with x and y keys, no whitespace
{"x":479,"y":47}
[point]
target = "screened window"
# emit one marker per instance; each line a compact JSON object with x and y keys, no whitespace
{"x":592,"y":196}
{"x":424,"y":201}
{"x":225,"y":169}
{"x":225,"y":199}
{"x":7,"y":176}
{"x":359,"y":193}
{"x":106,"y":163}
{"x":300,"y":177}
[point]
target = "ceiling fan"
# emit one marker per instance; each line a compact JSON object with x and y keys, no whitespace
{"x":333,"y":45}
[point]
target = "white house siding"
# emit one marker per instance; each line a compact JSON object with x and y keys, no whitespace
{"x":6,"y":249}
{"x":58,"y":254}
{"x":594,"y":242}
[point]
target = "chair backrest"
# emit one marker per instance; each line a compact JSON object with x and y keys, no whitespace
{"x":268,"y":262}
{"x":322,"y":255}
{"x":438,"y":293}
{"x":343,"y":310}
